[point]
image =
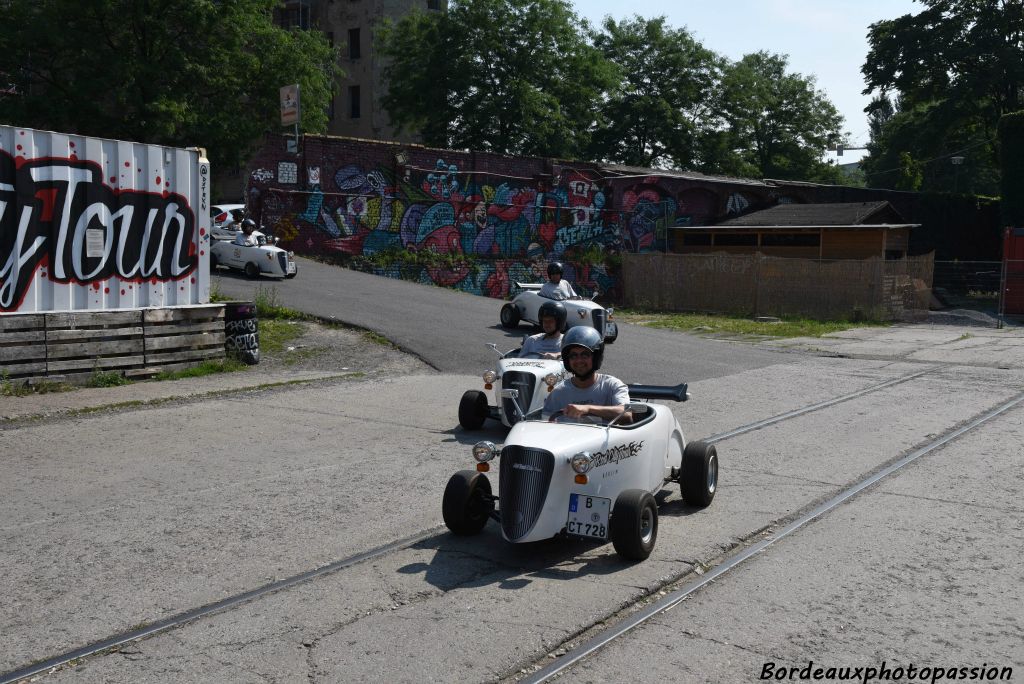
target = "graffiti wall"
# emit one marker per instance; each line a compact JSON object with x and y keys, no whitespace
{"x":472,"y":221}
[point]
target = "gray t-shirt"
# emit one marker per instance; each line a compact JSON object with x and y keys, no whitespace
{"x":606,"y":391}
{"x":540,"y":344}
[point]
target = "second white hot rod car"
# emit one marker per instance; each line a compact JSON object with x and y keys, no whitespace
{"x":525,"y":306}
{"x":589,"y":480}
{"x":532,"y":377}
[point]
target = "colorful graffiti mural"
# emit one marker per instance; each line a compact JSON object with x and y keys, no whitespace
{"x":479,"y":234}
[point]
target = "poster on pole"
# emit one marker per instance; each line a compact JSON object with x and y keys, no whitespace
{"x":290,"y":114}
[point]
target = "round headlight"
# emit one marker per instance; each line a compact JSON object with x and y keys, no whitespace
{"x":581,"y":462}
{"x":490,"y":376}
{"x":551,"y":379}
{"x":484,"y":451}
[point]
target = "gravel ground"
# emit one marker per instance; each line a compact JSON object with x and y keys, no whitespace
{"x":337,"y":348}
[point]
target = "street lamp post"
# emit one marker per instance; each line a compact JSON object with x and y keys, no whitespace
{"x":957,"y":161}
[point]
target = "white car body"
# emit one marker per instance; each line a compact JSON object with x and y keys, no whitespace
{"x":525,"y":306}
{"x":225,"y":220}
{"x":255,"y":260}
{"x":542,"y":492}
{"x":532,"y":377}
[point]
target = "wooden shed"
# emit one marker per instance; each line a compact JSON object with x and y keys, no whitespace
{"x":853,"y":230}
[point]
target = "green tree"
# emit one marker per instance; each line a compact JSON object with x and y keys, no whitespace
{"x":955,"y":68}
{"x":663,"y":100}
{"x":175,"y":72}
{"x":508,"y":76}
{"x":773,"y":124}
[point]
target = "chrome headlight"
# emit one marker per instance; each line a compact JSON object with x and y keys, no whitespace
{"x":484,"y":451}
{"x":581,"y":462}
{"x":291,"y":255}
{"x":610,"y":312}
{"x":490,"y":376}
{"x":551,"y":379}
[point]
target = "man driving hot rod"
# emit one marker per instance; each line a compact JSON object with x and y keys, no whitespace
{"x":586,"y":392}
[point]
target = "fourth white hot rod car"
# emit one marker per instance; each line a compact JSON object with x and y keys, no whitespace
{"x":525,"y":306}
{"x":263,"y":258}
{"x":590,"y":480}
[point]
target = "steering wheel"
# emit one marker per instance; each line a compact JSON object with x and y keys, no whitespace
{"x":583,"y":420}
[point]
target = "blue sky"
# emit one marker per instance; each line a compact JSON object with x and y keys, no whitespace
{"x":823,"y":38}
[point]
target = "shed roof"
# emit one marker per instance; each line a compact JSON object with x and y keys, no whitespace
{"x":838,"y":215}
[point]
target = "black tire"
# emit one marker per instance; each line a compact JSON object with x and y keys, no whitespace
{"x":634,"y":524}
{"x":467,"y":502}
{"x":698,"y":477}
{"x":509,"y":316}
{"x":214,"y":263}
{"x":252,"y":270}
{"x":473,"y":410}
{"x":289,"y":276}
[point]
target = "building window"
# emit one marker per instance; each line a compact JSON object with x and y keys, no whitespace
{"x":353,"y":44}
{"x":791,"y":240}
{"x":433,"y":4}
{"x":735,"y":239}
{"x":292,"y":15}
{"x":353,"y":102}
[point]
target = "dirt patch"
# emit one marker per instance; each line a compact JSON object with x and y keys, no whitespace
{"x":340,"y":349}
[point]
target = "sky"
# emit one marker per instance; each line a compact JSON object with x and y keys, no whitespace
{"x":826,"y":39}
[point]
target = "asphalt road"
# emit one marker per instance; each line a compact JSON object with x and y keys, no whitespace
{"x":449,"y":330}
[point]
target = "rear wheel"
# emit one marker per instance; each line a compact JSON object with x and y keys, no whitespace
{"x":467,"y":502}
{"x":252,"y":270}
{"x":634,"y":524}
{"x":509,"y":316}
{"x":698,"y":477}
{"x":214,"y":263}
{"x":473,"y":410}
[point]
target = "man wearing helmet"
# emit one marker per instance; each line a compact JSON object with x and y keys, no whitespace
{"x":556,"y":288}
{"x":547,"y":344}
{"x":586,"y":392}
{"x":249,"y":237}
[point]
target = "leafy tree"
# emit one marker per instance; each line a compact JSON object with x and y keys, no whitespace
{"x":774,"y":124}
{"x":955,"y":67}
{"x":662,"y":102}
{"x":176,"y":72}
{"x":508,"y":76}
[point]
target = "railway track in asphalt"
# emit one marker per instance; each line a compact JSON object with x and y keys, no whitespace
{"x":114,"y":641}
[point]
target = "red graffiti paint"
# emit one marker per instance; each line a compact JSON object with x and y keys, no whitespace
{"x":158,"y":180}
{"x":49,"y":200}
{"x":127,"y":165}
{"x":106,"y":290}
{"x":122,"y":291}
{"x":202,"y":231}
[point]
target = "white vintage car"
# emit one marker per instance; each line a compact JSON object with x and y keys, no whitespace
{"x":590,"y":480}
{"x":264,"y":258}
{"x":532,"y":377}
{"x":579,"y":311}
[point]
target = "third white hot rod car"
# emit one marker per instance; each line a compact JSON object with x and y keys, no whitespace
{"x":525,"y":306}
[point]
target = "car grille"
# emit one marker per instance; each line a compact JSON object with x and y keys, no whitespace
{"x":599,"y":319}
{"x":522,"y":488}
{"x":282,"y":259}
{"x":524,"y":382}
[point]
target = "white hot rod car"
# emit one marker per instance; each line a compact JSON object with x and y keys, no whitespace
{"x":590,"y":480}
{"x":525,"y":306}
{"x":532,"y":377}
{"x":263,"y":258}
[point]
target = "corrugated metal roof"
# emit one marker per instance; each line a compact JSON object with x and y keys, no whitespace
{"x":846,"y":214}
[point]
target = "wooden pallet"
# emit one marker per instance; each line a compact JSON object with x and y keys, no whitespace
{"x":136,"y":342}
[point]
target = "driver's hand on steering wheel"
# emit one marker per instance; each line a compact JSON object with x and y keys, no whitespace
{"x":577,"y":410}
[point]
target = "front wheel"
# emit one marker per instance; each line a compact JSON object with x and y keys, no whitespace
{"x":467,"y":502}
{"x":509,"y":316}
{"x":252,"y":270}
{"x":698,"y":477}
{"x":214,"y":263}
{"x":634,"y":524}
{"x":473,"y":410}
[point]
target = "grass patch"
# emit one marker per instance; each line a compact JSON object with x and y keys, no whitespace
{"x":377,"y":339}
{"x":9,"y":388}
{"x":275,"y":334}
{"x":268,"y":306}
{"x":226,"y":365}
{"x":107,"y":379}
{"x":738,"y":325}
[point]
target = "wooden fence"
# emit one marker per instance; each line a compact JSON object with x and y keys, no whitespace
{"x":137,"y":342}
{"x":758,"y":285}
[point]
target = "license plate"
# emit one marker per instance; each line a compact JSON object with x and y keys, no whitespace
{"x":611,"y":329}
{"x":588,"y":516}
{"x":291,"y":267}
